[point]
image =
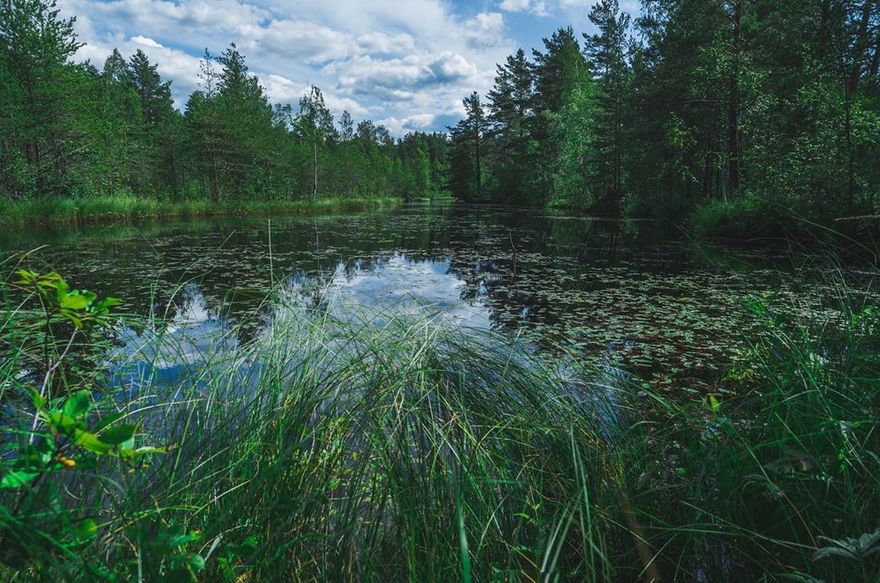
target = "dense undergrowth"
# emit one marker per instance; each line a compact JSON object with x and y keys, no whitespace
{"x":751,"y":218}
{"x":123,"y":208}
{"x":380,"y":448}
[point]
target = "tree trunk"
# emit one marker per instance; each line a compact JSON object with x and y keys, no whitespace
{"x":875,"y":62}
{"x":707,"y":175}
{"x":618,"y":146}
{"x":212,"y":178}
{"x":733,"y":165}
{"x":479,"y":165}
{"x":861,"y":45}
{"x":315,"y":189}
{"x":852,"y":85}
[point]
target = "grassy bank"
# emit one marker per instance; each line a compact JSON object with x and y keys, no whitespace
{"x":126,"y":208}
{"x":376,"y":448}
{"x":749,"y":218}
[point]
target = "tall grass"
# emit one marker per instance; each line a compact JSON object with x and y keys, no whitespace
{"x":346,"y":450}
{"x":777,"y":474}
{"x":124,"y":207}
{"x":379,"y":448}
{"x":745,"y":218}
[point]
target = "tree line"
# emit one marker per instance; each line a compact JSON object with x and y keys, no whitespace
{"x":693,"y":101}
{"x":73,"y":129}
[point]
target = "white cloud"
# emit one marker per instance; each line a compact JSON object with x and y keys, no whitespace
{"x":536,"y":7}
{"x":486,"y":29}
{"x":418,"y":122}
{"x":145,"y":41}
{"x":379,"y":42}
{"x":282,"y":90}
{"x":367,"y":75}
{"x":515,"y":5}
{"x":408,"y":61}
{"x":631,"y":6}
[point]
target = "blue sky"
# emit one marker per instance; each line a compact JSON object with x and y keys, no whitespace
{"x":403,"y":63}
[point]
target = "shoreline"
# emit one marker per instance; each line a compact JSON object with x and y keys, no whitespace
{"x":130,"y":209}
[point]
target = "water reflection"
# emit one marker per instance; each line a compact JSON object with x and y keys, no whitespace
{"x":597,"y":283}
{"x":392,"y":286}
{"x":167,"y":352}
{"x":398,"y":286}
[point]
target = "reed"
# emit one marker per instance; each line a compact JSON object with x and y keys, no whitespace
{"x":377,"y":447}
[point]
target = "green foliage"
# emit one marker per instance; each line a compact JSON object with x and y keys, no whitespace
{"x":794,"y":449}
{"x":72,"y":132}
{"x":131,"y":208}
{"x":467,"y":177}
{"x":573,"y":186}
{"x":416,"y":450}
{"x":742,"y":218}
{"x":703,"y":105}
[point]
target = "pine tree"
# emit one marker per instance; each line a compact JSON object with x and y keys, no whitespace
{"x":315,"y":126}
{"x":557,"y":71}
{"x":117,"y":148}
{"x":607,"y":54}
{"x":39,"y":144}
{"x":466,"y":179}
{"x":159,"y":162}
{"x":510,"y":115}
{"x":203,"y":125}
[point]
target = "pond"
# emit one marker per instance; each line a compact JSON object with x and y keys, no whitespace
{"x":601,"y":288}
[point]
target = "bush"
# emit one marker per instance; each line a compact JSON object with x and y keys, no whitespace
{"x":742,"y":219}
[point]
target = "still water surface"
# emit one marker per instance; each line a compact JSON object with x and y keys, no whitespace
{"x":662,"y":310}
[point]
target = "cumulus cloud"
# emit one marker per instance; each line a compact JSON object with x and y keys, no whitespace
{"x":379,"y":42}
{"x":406,"y":61}
{"x":414,"y":123}
{"x":367,"y":75}
{"x":486,"y":29}
{"x":536,"y":7}
{"x":146,"y":42}
{"x":280,"y":89}
{"x":631,"y":6}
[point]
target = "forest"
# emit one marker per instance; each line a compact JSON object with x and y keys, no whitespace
{"x":619,"y":322}
{"x":744,"y":111}
{"x":82,"y":129}
{"x":749,"y":108}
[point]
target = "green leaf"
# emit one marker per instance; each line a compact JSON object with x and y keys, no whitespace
{"x":108,"y":421}
{"x":104,"y":305}
{"x":17,"y":479}
{"x":74,"y":318}
{"x":62,"y":423}
{"x":119,"y":434}
{"x":78,"y":405}
{"x":195,"y":562}
{"x":91,"y":442}
{"x":714,"y":404}
{"x":133,"y":454}
{"x":175,"y":536}
{"x":85,"y":530}
{"x":27,"y":276}
{"x":38,"y":399}
{"x":73,"y":301}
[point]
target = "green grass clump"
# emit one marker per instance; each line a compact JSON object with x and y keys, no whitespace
{"x":129,"y":208}
{"x":347,"y":450}
{"x":743,"y":218}
{"x":379,"y":448}
{"x":777,"y":474}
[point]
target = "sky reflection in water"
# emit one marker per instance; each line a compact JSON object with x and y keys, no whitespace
{"x":393,"y":286}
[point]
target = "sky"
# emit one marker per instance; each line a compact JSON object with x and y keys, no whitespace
{"x":405,"y":64}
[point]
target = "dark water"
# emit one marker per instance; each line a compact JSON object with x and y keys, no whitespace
{"x":603,"y":288}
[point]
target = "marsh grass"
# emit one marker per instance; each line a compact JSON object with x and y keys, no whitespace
{"x":373,"y":447}
{"x":129,"y":208}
